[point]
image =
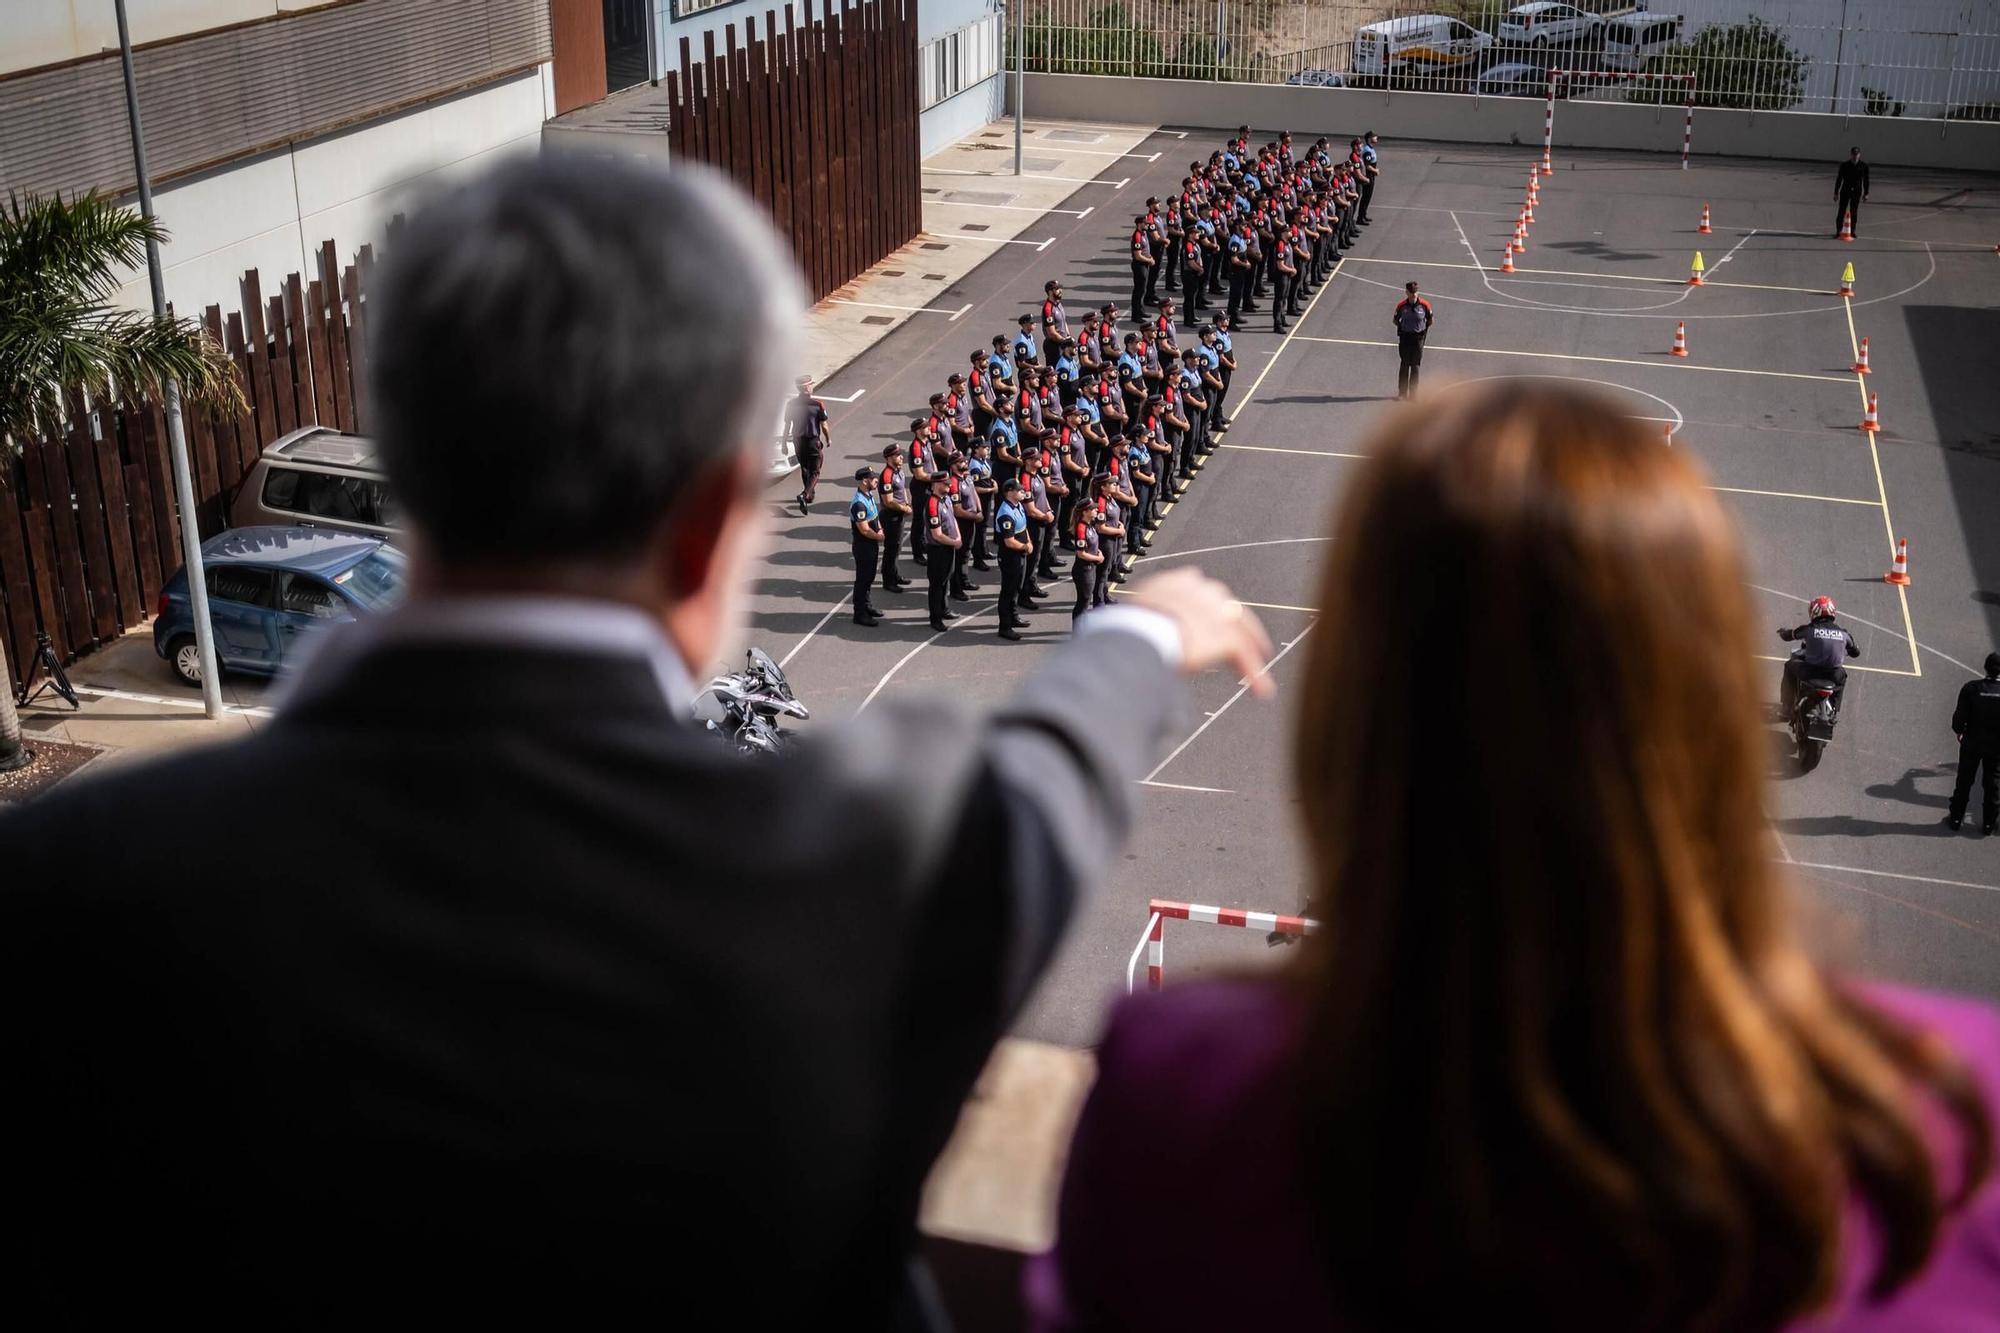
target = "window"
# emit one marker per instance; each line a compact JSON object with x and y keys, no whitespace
{"x":304,"y":595}
{"x":240,"y":583}
{"x":340,"y":498}
{"x":377,"y":582}
{"x":683,"y":8}
{"x":959,"y":60}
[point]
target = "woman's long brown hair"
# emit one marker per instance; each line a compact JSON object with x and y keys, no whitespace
{"x":1567,"y":1066}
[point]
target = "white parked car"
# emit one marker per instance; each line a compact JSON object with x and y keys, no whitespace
{"x":1417,"y":43}
{"x":1548,"y":23}
{"x":1630,"y":40}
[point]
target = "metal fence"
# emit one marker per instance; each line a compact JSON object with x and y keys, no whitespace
{"x":1915,"y":58}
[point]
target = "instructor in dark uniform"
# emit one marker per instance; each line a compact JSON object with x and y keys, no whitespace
{"x":1413,"y":325}
{"x":1850,"y":187}
{"x":1976,"y":721}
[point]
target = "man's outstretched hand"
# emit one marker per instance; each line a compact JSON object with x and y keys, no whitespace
{"x":1216,"y":629}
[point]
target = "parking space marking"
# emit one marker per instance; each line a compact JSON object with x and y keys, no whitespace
{"x":1280,"y":606}
{"x":1270,"y":449}
{"x":1892,"y":874}
{"x":1616,"y":277}
{"x":1796,"y":495}
{"x":244,"y":710}
{"x":990,"y":240}
{"x":912,"y":309}
{"x":1087,"y":152}
{"x":786,"y":660}
{"x":1028,"y":176}
{"x":1009,"y":208}
{"x":1882,"y":491}
{"x":1241,"y":690}
{"x":1182,"y":786}
{"x":987,"y":604}
{"x":1675,"y":366}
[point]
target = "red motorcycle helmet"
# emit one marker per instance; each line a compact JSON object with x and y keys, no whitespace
{"x":1821,"y":608}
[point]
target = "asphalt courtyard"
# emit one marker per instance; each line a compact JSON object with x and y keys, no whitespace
{"x":1766,"y":397}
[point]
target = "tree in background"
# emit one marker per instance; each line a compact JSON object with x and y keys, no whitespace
{"x":60,"y":262}
{"x":1108,"y":41}
{"x":1747,"y":66}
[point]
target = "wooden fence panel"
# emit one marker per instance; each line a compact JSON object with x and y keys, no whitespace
{"x":339,"y":371}
{"x":54,"y":504}
{"x":18,"y":621}
{"x":123,"y":571}
{"x":160,"y":487}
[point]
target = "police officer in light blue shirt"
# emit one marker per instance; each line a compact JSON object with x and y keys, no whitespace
{"x":864,"y":513}
{"x":1024,"y":342}
{"x":1010,"y":528}
{"x":1004,"y":438}
{"x":1225,"y":348}
{"x":1068,"y":371}
{"x":1000,"y":366}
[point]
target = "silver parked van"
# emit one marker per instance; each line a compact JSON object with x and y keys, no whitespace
{"x":317,"y":477}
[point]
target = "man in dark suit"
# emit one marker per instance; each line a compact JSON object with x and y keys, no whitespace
{"x":479,"y":985}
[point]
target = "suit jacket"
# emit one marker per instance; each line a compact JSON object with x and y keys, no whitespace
{"x":479,"y":985}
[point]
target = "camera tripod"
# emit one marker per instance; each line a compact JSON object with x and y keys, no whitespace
{"x":46,"y":661}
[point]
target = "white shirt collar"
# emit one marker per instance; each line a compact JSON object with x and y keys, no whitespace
{"x":574,"y":623}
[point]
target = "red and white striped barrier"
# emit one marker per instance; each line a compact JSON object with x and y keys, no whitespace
{"x":1154,"y":944}
{"x":1549,"y":116}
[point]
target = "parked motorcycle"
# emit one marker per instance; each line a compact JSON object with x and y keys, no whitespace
{"x":743,"y":707}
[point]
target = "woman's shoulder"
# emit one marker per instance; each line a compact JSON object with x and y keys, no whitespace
{"x":1210,"y":1043}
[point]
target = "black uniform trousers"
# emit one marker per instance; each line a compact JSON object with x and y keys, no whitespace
{"x":892,"y":541}
{"x":1973,"y":757}
{"x":867,"y":557}
{"x":1239,"y":293}
{"x":1284,"y":298}
{"x":1139,"y":272}
{"x":1171,"y":262}
{"x":1367,"y":193}
{"x":978,"y":542}
{"x":1043,"y":562}
{"x":937,"y":570}
{"x":1410,"y":358}
{"x":917,"y":544}
{"x":1849,"y":211}
{"x":961,"y":586}
{"x":809,"y":465}
{"x":1088,"y":580}
{"x":1153,"y":275}
{"x":1197,"y":296}
{"x":1013,"y":566}
{"x":1191,"y":442}
{"x":1215,"y":408}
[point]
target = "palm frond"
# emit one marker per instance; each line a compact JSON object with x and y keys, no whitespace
{"x":77,"y":248}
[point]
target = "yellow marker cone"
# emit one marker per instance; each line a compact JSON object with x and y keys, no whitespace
{"x":1695,"y":279}
{"x":1846,"y":279}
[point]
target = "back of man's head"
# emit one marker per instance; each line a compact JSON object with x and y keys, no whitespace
{"x":1993,"y":664}
{"x":561,"y":345}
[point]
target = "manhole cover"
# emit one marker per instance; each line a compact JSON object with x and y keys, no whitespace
{"x":1073,"y":136}
{"x":933,"y":277}
{"x":973,"y":226}
{"x":978,"y":197}
{"x":934,"y":245}
{"x":892,"y":272}
{"x":877,"y":319}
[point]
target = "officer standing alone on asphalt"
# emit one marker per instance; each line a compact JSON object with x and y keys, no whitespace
{"x":941,"y":541}
{"x":1976,"y":721}
{"x":1413,"y":324}
{"x":892,"y":492}
{"x":1850,"y":187}
{"x":863,"y":513}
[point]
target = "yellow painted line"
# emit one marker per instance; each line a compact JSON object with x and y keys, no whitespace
{"x":1797,"y":495}
{"x":1888,"y":524}
{"x":1280,"y":606}
{"x":1878,"y":671}
{"x":1313,"y":453}
{"x":1576,"y":273}
{"x":1600,"y":360}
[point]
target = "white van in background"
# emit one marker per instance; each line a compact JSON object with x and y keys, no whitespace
{"x":1630,"y":40}
{"x":1417,"y":43}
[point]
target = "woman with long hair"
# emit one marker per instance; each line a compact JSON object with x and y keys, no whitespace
{"x":1555,"y":1058}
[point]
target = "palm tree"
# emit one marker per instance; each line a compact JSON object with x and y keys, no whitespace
{"x":60,"y":264}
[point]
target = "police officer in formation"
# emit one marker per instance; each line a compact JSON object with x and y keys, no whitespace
{"x":1061,"y":447}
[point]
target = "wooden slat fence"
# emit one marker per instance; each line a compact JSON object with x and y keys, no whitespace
{"x":817,"y":120}
{"x":87,"y":518}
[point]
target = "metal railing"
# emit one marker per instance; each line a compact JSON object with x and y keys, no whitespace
{"x":1914,"y":58}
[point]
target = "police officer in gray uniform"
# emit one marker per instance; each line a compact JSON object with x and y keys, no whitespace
{"x":1976,"y":721}
{"x":1087,"y":573}
{"x":941,"y":543}
{"x":892,"y":491}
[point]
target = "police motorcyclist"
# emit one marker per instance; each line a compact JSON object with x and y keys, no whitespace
{"x":1823,"y":645}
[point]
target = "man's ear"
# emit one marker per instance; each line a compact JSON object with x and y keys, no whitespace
{"x":699,"y":518}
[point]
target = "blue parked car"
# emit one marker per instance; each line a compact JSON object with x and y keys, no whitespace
{"x":268,"y":586}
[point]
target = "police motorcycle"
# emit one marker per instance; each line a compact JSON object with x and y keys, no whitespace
{"x":743,"y":707}
{"x":1814,"y":703}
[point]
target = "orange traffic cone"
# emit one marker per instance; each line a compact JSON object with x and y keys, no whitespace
{"x":1547,"y":168}
{"x":1899,"y":572}
{"x":1680,"y":347}
{"x":1520,"y":238}
{"x":1704,"y":228}
{"x":1861,"y":363}
{"x":1847,"y":281}
{"x":1507,"y":258}
{"x":1535,"y":188}
{"x":1668,"y":427}
{"x":1846,"y":228}
{"x":1528,"y":210}
{"x":1869,"y":420}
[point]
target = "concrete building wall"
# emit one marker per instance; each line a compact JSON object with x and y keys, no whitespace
{"x":46,"y":32}
{"x":1448,"y":117}
{"x":271,"y":212}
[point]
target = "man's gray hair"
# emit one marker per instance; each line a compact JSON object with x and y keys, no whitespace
{"x":559,"y":346}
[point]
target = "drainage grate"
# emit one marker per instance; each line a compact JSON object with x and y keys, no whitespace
{"x":931,"y":189}
{"x":933,"y":277}
{"x":934,"y":245}
{"x":1073,"y":136}
{"x":973,"y":226}
{"x":877,"y":319}
{"x":892,"y":273}
{"x":978,"y":197}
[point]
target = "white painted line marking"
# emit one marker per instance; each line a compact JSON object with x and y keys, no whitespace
{"x":1882,"y":491}
{"x":990,"y":240}
{"x":1241,"y":690}
{"x":786,"y":660}
{"x":1280,"y":606}
{"x":1600,"y":360}
{"x":1270,"y":449}
{"x":1084,"y":214}
{"x":1795,"y":495}
{"x":1091,"y":152}
{"x":242,"y":710}
{"x":830,"y":398}
{"x":878,"y":305}
{"x":1891,"y":874}
{"x":1941,"y":656}
{"x":987,"y":605}
{"x":1029,"y":176}
{"x":1734,"y":248}
{"x":959,"y":313}
{"x":1045,"y":245}
{"x":1851,"y":666}
{"x":1004,"y":208}
{"x":1182,"y":786}
{"x":1417,"y":208}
